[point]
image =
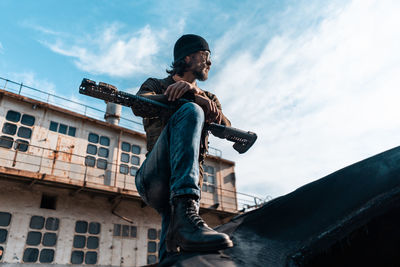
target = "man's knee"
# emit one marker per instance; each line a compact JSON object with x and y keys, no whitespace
{"x":193,"y":110}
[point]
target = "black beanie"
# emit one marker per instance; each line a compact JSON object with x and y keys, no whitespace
{"x":188,"y":44}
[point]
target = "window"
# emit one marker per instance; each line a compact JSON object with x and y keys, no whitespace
{"x":98,"y":146}
{"x":62,"y":128}
{"x":20,"y":125}
{"x":41,"y":240}
{"x":129,"y":157}
{"x":209,"y":182}
{"x":90,"y":161}
{"x":125,"y":157}
{"x":86,"y":243}
{"x":6,"y":141}
{"x":53,"y":126}
{"x":135,"y":160}
{"x":123,"y":168}
{"x":13,"y":116}
{"x":134,"y":170}
{"x":105,"y":141}
{"x":28,"y":120}
{"x":103,"y":152}
{"x":93,"y":138}
{"x":71,"y":131}
{"x":153,"y":237}
{"x":126,"y":147}
{"x":5,"y":220}
{"x":9,"y":128}
{"x":24,"y":132}
{"x":136,"y":149}
{"x":125,"y":231}
{"x":48,"y":202}
{"x":101,"y":164}
{"x":21,"y":145}
{"x":91,"y":149}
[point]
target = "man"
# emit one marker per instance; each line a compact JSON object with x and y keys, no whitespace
{"x":170,"y":178}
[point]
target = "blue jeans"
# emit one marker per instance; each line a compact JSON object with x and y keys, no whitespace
{"x":172,"y":167}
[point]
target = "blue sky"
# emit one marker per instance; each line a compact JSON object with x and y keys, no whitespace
{"x":316,"y":80}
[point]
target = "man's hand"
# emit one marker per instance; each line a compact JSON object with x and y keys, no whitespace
{"x":178,"y":89}
{"x":212,"y":113}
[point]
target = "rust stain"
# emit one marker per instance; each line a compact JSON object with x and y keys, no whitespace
{"x":65,"y":150}
{"x":55,"y":156}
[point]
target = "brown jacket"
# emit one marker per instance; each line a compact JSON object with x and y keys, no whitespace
{"x":154,"y":126}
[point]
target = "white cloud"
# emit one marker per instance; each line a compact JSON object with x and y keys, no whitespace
{"x":47,"y":31}
{"x":319,"y":99}
{"x":111,"y":52}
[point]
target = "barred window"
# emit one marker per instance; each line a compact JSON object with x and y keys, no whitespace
{"x":14,"y":125}
{"x":62,"y":128}
{"x":129,"y":155}
{"x":86,"y":243}
{"x":153,"y":237}
{"x":125,"y":231}
{"x":41,"y":240}
{"x":5,"y":221}
{"x":209,"y":181}
{"x":96,"y":147}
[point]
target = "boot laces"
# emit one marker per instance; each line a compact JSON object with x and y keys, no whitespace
{"x":193,"y":215}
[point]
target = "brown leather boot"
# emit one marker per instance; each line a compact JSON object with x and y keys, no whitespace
{"x":189,"y":232}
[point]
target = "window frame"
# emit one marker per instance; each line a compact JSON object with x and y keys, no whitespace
{"x":41,"y":247}
{"x":6,"y":227}
{"x":85,"y":250}
{"x":208,"y":172}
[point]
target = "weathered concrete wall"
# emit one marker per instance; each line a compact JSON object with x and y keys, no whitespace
{"x":23,"y":202}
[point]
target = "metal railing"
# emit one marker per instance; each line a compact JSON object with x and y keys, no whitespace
{"x":70,"y":166}
{"x":86,"y":110}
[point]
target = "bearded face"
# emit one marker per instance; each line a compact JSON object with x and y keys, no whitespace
{"x":200,"y":64}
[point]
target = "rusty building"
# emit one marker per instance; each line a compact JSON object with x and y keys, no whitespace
{"x":67,"y":191}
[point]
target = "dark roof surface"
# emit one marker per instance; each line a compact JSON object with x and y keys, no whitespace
{"x":296,"y":229}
